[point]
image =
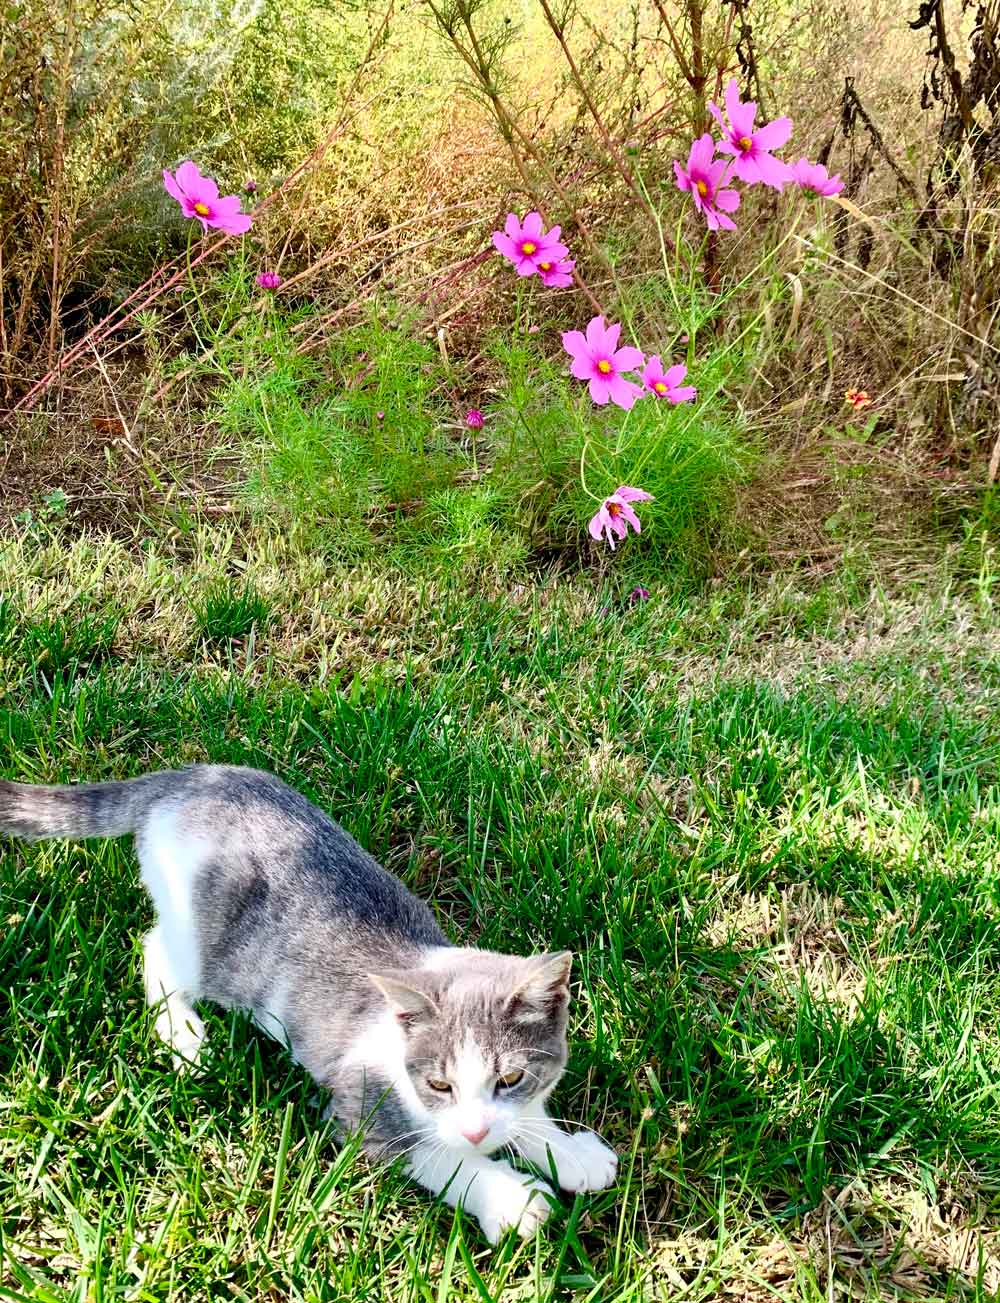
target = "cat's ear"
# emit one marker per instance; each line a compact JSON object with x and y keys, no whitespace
{"x":408,"y":1004}
{"x":543,"y":990}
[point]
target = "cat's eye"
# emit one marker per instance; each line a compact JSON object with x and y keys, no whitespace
{"x":442,"y":1087}
{"x":510,"y":1079}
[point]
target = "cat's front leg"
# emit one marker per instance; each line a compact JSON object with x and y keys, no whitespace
{"x":581,"y":1159}
{"x":497,"y":1195}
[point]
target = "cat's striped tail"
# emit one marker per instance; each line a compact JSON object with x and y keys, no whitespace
{"x":78,"y":810}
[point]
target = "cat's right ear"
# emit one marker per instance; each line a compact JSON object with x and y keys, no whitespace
{"x":410,"y":1006}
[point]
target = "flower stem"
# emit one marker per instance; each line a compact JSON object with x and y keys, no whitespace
{"x":194,"y":287}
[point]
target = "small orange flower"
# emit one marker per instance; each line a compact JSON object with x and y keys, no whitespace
{"x":858,"y":398}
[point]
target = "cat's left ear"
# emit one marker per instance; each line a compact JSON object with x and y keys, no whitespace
{"x":411,"y":1007}
{"x":544,"y":989}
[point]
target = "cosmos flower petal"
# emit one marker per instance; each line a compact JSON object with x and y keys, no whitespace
{"x":188,"y":178}
{"x":596,"y":525}
{"x":624,"y":392}
{"x":596,"y":333}
{"x":773,"y":134}
{"x":234,"y":224}
{"x":675,"y":374}
{"x":226,"y":206}
{"x":532,"y":224}
{"x":628,"y":358}
{"x":746,"y":168}
{"x":774,"y":171}
{"x":575,"y":344}
{"x":172,"y":188}
{"x":600,"y":390}
{"x":505,"y":245}
{"x":702,"y":152}
{"x":628,"y":514}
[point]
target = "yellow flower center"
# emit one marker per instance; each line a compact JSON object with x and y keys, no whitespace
{"x":528,"y":246}
{"x":746,"y":144}
{"x":614,"y":510}
{"x":702,"y":188}
{"x":604,"y":366}
{"x":545,"y":266}
{"x":201,"y":209}
{"x":660,"y":387}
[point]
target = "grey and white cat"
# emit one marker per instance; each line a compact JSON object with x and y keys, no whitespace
{"x":442,"y":1055}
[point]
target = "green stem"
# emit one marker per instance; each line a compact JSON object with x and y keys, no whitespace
{"x":194,"y":287}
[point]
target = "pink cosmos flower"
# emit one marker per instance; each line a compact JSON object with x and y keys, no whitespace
{"x":474,"y":418}
{"x":597,"y":358}
{"x":752,"y":149}
{"x":815,"y":177}
{"x":526,"y":244}
{"x":199,"y":197}
{"x":556,"y":274}
{"x":268,"y":280}
{"x":705,"y":176}
{"x":667,"y":384}
{"x":615,"y":514}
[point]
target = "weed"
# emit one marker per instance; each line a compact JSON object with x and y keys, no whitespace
{"x":229,"y":611}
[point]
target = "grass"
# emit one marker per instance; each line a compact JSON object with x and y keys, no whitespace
{"x":229,"y":611}
{"x":765,"y":822}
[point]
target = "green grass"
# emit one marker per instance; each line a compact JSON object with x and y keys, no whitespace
{"x":766,"y":822}
{"x":229,"y":611}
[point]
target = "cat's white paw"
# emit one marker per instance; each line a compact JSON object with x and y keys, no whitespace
{"x":510,"y":1203}
{"x":584,"y":1162}
{"x":185,"y":1035}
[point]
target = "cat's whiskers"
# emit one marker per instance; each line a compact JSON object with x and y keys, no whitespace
{"x":576,"y":1124}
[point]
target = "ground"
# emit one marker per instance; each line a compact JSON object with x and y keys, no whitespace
{"x":762,"y":814}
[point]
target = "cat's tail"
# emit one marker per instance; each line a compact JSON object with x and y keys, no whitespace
{"x":79,"y":810}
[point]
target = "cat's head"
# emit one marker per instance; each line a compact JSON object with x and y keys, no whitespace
{"x":484,"y":1039}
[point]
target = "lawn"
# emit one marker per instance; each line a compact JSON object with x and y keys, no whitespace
{"x":762,"y":814}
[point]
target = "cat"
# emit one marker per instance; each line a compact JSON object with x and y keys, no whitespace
{"x":441,"y":1056}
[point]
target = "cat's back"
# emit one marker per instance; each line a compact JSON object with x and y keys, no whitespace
{"x":272,"y":859}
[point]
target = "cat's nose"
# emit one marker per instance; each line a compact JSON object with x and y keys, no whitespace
{"x":474,"y":1137}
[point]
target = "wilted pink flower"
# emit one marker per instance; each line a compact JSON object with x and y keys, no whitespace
{"x":380,"y":416}
{"x":597,"y":358}
{"x":556,"y":274}
{"x":474,"y":418}
{"x":815,"y":177}
{"x":615,"y":514}
{"x":705,"y":176}
{"x":199,"y":197}
{"x":752,"y":149}
{"x":251,"y":187}
{"x":526,"y":244}
{"x":268,"y":280}
{"x":667,"y":384}
{"x":638,"y":594}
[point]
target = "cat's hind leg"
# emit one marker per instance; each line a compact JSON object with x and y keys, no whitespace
{"x":177,"y":1024}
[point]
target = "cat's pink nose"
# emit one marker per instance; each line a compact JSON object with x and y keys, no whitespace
{"x":474,"y":1137}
